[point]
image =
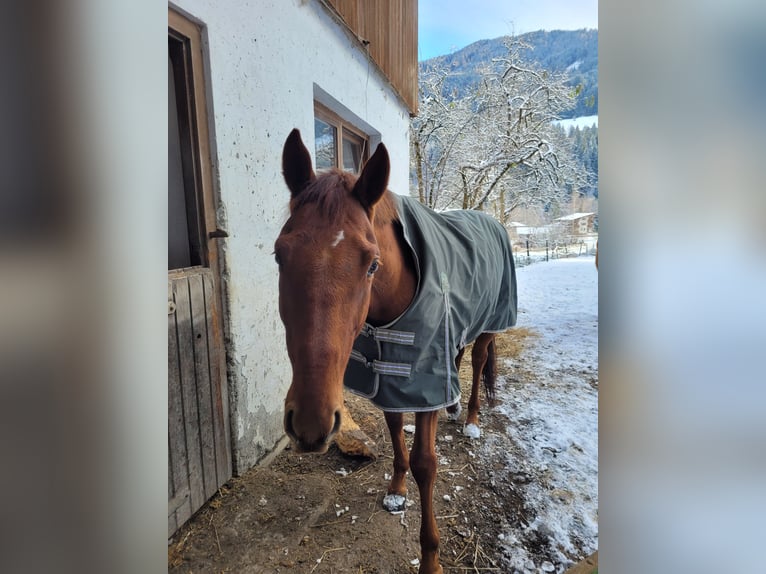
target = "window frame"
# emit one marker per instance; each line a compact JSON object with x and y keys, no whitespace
{"x":180,"y":52}
{"x":343,"y":129}
{"x":194,"y":78}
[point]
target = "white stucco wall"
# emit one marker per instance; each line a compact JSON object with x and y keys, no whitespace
{"x":269,"y":60}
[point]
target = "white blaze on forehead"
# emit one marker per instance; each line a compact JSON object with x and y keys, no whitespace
{"x":338,"y":238}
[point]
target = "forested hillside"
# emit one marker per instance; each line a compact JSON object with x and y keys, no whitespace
{"x":487,"y":135}
{"x":574,"y":52}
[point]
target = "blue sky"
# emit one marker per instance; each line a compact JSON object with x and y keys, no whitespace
{"x":448,"y":25}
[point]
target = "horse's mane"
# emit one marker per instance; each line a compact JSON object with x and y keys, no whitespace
{"x":330,"y":191}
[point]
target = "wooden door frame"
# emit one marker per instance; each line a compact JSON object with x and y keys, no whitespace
{"x":191,"y":33}
{"x":183,"y":28}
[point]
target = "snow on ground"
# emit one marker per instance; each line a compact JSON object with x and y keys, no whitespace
{"x":578,"y":122}
{"x":552,"y":407}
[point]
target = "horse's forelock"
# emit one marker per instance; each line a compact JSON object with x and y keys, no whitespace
{"x":332,"y":189}
{"x":328,"y":192}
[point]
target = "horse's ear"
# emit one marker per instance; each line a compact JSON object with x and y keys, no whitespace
{"x":373,"y":180}
{"x":296,"y":164}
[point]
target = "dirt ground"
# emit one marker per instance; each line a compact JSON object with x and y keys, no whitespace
{"x":323,"y":514}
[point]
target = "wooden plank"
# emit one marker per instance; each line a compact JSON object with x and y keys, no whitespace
{"x":200,"y":312}
{"x":189,"y":392}
{"x":391,"y":26}
{"x":181,"y":498}
{"x":178,"y":475}
{"x":172,"y":522}
{"x":220,"y":398}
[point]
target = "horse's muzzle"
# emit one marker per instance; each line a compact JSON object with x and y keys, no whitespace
{"x":307,"y":435}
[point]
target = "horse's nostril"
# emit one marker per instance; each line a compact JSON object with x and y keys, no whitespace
{"x":336,"y":426}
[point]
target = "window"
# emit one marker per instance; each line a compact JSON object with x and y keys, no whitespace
{"x":192,"y":200}
{"x":337,"y":143}
{"x":185,"y":222}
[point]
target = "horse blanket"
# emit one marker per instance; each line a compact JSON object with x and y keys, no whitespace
{"x":466,"y":286}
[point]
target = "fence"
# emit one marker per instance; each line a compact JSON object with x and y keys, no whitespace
{"x":527,"y":252}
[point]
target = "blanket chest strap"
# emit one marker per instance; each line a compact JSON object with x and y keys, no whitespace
{"x":389,"y":335}
{"x":383,"y":367}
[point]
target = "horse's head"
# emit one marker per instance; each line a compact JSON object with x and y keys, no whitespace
{"x":327,"y":255}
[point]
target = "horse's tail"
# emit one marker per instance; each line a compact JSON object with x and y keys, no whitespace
{"x":489,"y":373}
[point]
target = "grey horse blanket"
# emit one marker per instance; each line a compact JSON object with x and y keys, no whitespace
{"x":466,"y":286}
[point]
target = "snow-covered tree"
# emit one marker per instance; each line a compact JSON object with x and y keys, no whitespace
{"x":496,"y":149}
{"x":434,"y":134}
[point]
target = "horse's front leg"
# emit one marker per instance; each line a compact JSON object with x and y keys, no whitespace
{"x":423,"y":465}
{"x":351,"y":440}
{"x":397,"y":489}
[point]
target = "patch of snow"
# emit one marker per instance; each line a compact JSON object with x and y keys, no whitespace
{"x":340,"y":510}
{"x":574,"y":66}
{"x":578,"y":122}
{"x":553,"y":415}
{"x":409,"y":429}
{"x":394,"y":502}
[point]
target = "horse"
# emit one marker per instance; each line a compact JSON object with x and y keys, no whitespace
{"x":349,"y":278}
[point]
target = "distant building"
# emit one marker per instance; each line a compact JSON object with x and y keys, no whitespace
{"x":577,"y":223}
{"x":513,"y":228}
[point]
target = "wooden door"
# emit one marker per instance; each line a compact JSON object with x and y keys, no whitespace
{"x":199,"y":441}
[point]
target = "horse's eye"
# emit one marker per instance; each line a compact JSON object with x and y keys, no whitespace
{"x":278,"y":260}
{"x":373,"y":268}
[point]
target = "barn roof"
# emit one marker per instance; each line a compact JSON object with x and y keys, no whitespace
{"x":574,"y":216}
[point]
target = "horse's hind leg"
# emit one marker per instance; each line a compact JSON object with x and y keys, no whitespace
{"x":423,"y":464}
{"x":397,"y":488}
{"x":453,"y":412}
{"x":480,"y":355}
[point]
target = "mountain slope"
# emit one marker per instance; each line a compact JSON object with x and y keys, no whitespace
{"x":575,"y":52}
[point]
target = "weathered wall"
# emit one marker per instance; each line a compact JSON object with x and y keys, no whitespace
{"x":269,"y":60}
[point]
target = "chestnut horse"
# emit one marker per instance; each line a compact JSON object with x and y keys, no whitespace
{"x":344,"y":266}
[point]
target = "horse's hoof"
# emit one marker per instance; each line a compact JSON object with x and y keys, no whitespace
{"x":394,"y":502}
{"x":472,"y":431}
{"x":432,"y":570}
{"x":456,"y":415}
{"x":356,"y":443}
